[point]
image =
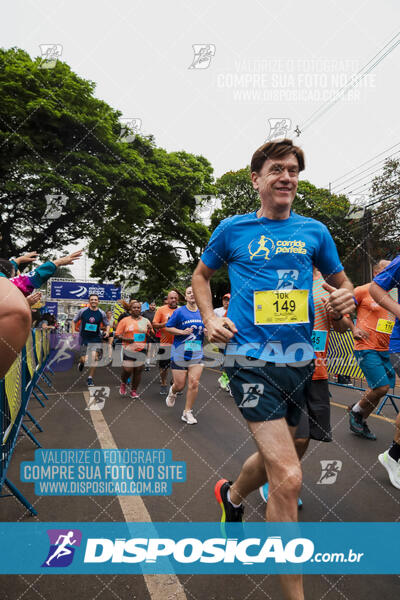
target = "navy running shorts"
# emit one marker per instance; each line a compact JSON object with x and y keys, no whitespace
{"x":271,"y":391}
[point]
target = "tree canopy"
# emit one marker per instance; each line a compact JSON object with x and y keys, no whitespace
{"x":66,"y":175}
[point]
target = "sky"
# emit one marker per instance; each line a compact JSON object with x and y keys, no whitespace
{"x":263,"y":62}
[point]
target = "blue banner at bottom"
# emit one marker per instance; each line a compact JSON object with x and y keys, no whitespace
{"x":200,"y":548}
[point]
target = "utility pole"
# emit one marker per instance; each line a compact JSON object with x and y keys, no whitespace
{"x":366,"y":246}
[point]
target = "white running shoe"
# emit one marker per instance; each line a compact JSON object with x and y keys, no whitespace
{"x":188,"y":417}
{"x":170,"y":399}
{"x":392,"y":467}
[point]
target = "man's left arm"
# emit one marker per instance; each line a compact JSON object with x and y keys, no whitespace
{"x":107,"y":324}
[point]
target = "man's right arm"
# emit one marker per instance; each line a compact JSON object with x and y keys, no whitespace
{"x":220,"y":329}
{"x":78,"y":315}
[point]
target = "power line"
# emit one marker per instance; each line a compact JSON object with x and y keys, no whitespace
{"x":348,"y":86}
{"x":365,"y":171}
{"x":360,"y":190}
{"x":364,"y":163}
{"x":359,"y":225}
{"x":342,"y":189}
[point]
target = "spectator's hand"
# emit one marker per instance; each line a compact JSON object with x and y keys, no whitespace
{"x":69,"y":259}
{"x":33,"y":298}
{"x":220,"y":329}
{"x":26,"y":258}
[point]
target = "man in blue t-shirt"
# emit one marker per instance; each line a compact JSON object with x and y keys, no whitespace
{"x":270,"y":256}
{"x":90,"y":334}
{"x":385,"y":281}
{"x":187,"y":327}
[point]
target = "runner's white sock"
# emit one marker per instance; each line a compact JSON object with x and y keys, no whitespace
{"x":229,"y":500}
{"x":357,"y":408}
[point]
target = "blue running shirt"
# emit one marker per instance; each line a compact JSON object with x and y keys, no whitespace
{"x":266,"y":255}
{"x":187,"y":347}
{"x":388,"y":279}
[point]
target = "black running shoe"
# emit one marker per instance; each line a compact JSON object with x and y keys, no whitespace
{"x":80,"y":366}
{"x":367,"y":433}
{"x":230,"y":514}
{"x":356,"y":421}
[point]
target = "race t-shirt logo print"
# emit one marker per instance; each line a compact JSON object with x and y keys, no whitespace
{"x":251,"y":394}
{"x":286,"y":278}
{"x":62,"y":547}
{"x":262,"y":247}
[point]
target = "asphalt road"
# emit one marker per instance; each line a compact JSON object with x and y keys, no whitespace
{"x":214,"y":448}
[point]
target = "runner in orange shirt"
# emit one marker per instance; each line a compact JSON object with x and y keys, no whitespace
{"x":159,"y":322}
{"x":371,"y":348}
{"x":132,"y":331}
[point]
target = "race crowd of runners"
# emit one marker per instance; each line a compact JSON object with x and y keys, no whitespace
{"x":288,"y":291}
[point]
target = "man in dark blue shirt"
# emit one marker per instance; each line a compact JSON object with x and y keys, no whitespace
{"x":90,"y":334}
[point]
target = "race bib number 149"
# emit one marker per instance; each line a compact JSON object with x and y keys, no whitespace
{"x":275,"y":307}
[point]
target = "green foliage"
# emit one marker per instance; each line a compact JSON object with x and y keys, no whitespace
{"x":385,"y":215}
{"x":235,"y":192}
{"x":163,"y":249}
{"x":134,"y":202}
{"x":57,"y":138}
{"x":64,"y":273}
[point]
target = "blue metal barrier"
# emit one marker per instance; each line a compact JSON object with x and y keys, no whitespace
{"x":15,"y":391}
{"x":388,"y":396}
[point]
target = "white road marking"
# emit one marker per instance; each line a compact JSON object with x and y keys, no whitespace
{"x":160,"y":587}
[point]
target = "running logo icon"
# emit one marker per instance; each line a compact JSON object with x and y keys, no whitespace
{"x":81,"y":291}
{"x":203,"y":53}
{"x":251,"y":394}
{"x":286,"y":278}
{"x":63,"y":543}
{"x":63,"y":359}
{"x":264,"y":247}
{"x":330,"y":471}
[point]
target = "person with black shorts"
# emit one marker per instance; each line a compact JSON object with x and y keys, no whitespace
{"x":159,"y":322}
{"x":187,"y":327}
{"x":315,"y":419}
{"x":132,"y":331}
{"x":153,"y":341}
